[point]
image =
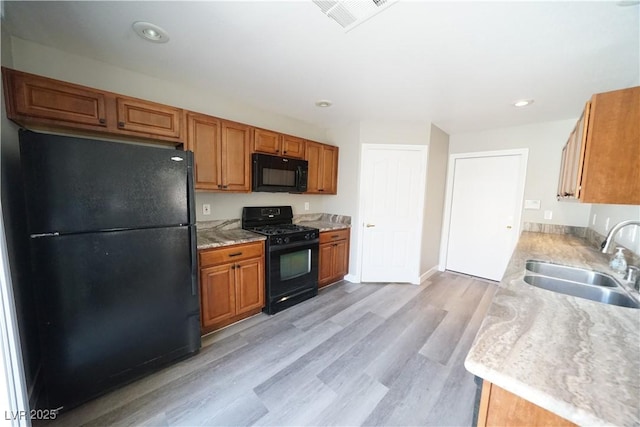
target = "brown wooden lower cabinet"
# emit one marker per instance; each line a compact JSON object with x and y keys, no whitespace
{"x":334,"y":256}
{"x":231,"y":284}
{"x":499,"y":407}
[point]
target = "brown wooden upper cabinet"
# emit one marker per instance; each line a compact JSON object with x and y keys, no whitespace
{"x":222,"y":148}
{"x":323,"y":168}
{"x":40,"y":102}
{"x":600,"y":160}
{"x":274,"y":143}
{"x":34,"y":98}
{"x":221,"y":151}
{"x":136,"y":115}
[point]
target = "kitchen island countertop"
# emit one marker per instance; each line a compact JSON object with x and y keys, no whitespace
{"x":574,"y":357}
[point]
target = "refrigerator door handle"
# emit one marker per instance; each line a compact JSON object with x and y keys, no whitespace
{"x":190,"y":188}
{"x":194,"y":261}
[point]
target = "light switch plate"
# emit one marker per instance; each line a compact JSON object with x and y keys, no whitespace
{"x":532,"y":204}
{"x":548,"y":214}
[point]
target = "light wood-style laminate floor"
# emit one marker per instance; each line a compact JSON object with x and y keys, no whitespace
{"x":357,"y":354}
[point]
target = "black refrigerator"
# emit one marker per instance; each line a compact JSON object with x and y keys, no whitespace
{"x":113,"y":261}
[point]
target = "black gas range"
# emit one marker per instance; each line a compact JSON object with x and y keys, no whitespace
{"x":291,"y":267}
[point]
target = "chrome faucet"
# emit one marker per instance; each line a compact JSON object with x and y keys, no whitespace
{"x":607,"y":242}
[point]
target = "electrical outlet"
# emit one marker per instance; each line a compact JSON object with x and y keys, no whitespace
{"x":606,"y":225}
{"x":548,"y":214}
{"x":206,"y":209}
{"x":532,"y":204}
{"x":594,"y":219}
{"x":306,"y":206}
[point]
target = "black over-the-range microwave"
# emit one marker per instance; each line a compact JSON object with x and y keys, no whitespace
{"x":276,"y":174}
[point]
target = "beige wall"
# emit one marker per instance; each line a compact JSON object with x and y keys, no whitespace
{"x":350,"y":139}
{"x":382,"y":132}
{"x":545,"y":142}
{"x":347,"y":201}
{"x":434,"y":199}
{"x":38,"y":59}
{"x":18,"y":289}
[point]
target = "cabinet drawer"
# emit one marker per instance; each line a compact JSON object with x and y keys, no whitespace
{"x":231,"y":253}
{"x":330,"y":236}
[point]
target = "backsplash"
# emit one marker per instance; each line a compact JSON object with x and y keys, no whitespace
{"x":536,"y":227}
{"x":323,"y":217}
{"x":593,"y":237}
{"x":596,"y":240}
{"x":221,"y":224}
{"x":231,"y":224}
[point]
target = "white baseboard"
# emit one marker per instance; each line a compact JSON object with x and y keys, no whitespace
{"x":424,"y":276}
{"x":352,"y":278}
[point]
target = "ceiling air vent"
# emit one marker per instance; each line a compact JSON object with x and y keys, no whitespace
{"x":351,"y":13}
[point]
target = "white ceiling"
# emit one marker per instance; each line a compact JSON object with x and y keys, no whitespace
{"x":457,"y":64}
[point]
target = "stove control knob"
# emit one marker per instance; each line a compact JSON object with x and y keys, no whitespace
{"x":309,"y":236}
{"x":278,"y":240}
{"x":286,"y":240}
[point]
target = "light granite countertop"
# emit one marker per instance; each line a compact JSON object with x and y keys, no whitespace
{"x":574,"y":357}
{"x":325,"y":225}
{"x":217,"y":233}
{"x":213,"y":237}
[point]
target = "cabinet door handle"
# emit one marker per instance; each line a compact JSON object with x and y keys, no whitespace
{"x":320,"y":189}
{"x":285,"y":151}
{"x":102,"y":121}
{"x":120,"y":124}
{"x":233,"y":267}
{"x":235,"y":254}
{"x":370,"y":225}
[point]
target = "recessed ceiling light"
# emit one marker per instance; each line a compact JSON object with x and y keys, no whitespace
{"x":523,"y":103}
{"x":150,"y":32}
{"x":323,"y":103}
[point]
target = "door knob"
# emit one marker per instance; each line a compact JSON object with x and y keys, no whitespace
{"x":509,"y":227}
{"x":370,"y":225}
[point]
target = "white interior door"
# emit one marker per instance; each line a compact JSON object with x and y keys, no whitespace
{"x":486,"y":201}
{"x":393,"y":203}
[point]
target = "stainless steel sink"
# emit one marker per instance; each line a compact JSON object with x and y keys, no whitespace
{"x":578,"y":282}
{"x":605,"y":295}
{"x":571,"y":273}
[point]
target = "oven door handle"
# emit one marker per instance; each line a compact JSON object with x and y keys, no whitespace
{"x":311,"y":244}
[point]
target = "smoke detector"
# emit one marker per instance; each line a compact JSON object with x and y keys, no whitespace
{"x":351,"y":13}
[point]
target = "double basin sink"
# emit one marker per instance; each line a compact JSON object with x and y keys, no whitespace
{"x":578,"y":282}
